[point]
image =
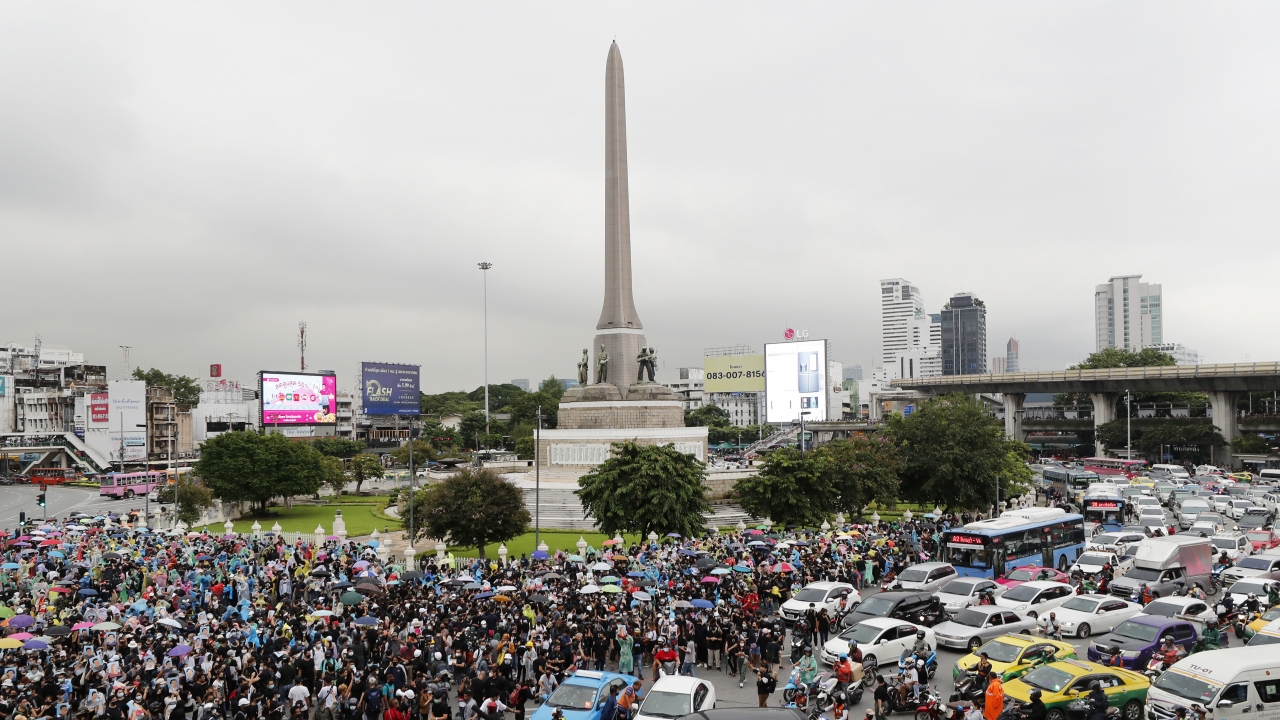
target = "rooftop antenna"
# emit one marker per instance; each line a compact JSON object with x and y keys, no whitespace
{"x":126,"y":349}
{"x":36,"y":361}
{"x":302,"y":343}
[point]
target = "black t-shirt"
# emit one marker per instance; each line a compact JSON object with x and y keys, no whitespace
{"x":882,"y":693}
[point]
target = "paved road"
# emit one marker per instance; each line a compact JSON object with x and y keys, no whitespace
{"x":61,"y":500}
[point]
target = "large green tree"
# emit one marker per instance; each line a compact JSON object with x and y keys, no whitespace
{"x":338,"y":447}
{"x":500,"y":396}
{"x":706,"y":416}
{"x":646,"y":488}
{"x":953,"y":453}
{"x":447,"y":403}
{"x":1150,"y":436}
{"x":1122,"y":358}
{"x":524,"y":409}
{"x":471,"y":508}
{"x":193,"y":498}
{"x":250,"y":467}
{"x":422,"y":452}
{"x":552,"y":387}
{"x":185,"y":390}
{"x":792,"y":488}
{"x":365,"y":467}
{"x":1251,"y":444}
{"x":862,"y":470}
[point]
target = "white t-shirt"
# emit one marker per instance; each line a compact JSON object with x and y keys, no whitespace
{"x":299,"y":692}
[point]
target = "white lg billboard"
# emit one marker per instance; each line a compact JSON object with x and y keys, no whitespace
{"x":795,"y":381}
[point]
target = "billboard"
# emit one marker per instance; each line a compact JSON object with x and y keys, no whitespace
{"x":290,"y":398}
{"x":390,"y":389}
{"x":795,"y":381}
{"x":127,"y":419}
{"x":99,"y":411}
{"x":733,"y":373}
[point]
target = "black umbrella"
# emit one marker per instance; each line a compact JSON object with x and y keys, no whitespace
{"x":456,"y":582}
{"x":413,"y":575}
{"x":113,"y":556}
{"x":342,"y":585}
{"x":649,"y":583}
{"x":320,"y":572}
{"x":472,"y":586}
{"x":538,"y":598}
{"x":706,"y":562}
{"x":553,"y":576}
{"x":57,"y":631}
{"x":368,"y":589}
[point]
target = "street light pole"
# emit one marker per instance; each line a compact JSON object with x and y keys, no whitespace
{"x":537,"y":483}
{"x":412,"y":478}
{"x":1128,"y":429}
{"x":484,"y":267}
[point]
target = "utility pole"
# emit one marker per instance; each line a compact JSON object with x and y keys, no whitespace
{"x":412,"y":477}
{"x":537,"y":483}
{"x":484,"y":267}
{"x":302,"y":343}
{"x":1128,"y":428}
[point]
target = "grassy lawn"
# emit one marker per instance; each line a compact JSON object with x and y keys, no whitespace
{"x":360,"y":514}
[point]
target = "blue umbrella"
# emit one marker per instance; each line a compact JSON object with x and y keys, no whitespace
{"x":688,"y":552}
{"x":10,"y":566}
{"x":483,"y":595}
{"x":539,"y":555}
{"x":88,"y":591}
{"x":367,"y":620}
{"x":204,"y":558}
{"x":633,"y":573}
{"x":742,"y":568}
{"x":704,"y":604}
{"x":34,"y":644}
{"x":373,"y":544}
{"x":57,"y":553}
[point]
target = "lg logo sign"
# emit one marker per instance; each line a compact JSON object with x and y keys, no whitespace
{"x":790,"y":334}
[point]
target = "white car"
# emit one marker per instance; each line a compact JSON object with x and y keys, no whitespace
{"x":1151,"y":515}
{"x":965,"y":592}
{"x":674,"y":696}
{"x":1221,"y":503}
{"x":882,"y":641}
{"x":1242,"y":589}
{"x":1261,"y":567}
{"x":1092,"y":561}
{"x":1238,"y":507}
{"x":1179,"y":606}
{"x":1114,"y":541}
{"x":820,"y":595}
{"x":1084,"y":615}
{"x":1207,"y":525}
{"x":1235,"y":545}
{"x":1036,"y":598}
{"x":926,"y":577}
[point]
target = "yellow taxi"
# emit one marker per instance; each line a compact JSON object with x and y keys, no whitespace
{"x":1061,"y":683}
{"x":1269,"y":634}
{"x":1143,"y":480}
{"x":1013,"y":655}
{"x":1267,"y":617}
{"x":1243,"y":477}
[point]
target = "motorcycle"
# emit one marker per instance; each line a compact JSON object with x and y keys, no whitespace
{"x":668,"y":668}
{"x":931,"y":707}
{"x":969,"y":688}
{"x":1079,"y":710}
{"x":930,"y":663}
{"x":793,"y":684}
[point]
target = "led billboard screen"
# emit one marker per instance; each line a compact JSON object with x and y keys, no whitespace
{"x":299,"y":399}
{"x":795,"y":381}
{"x":733,"y":373}
{"x":390,"y":389}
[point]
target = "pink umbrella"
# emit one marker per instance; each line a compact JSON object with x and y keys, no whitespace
{"x":48,"y":543}
{"x":755,"y":531}
{"x":82,"y":626}
{"x":711,"y":579}
{"x":21,"y":636}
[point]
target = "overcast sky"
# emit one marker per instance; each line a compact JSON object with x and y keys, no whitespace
{"x":193,"y":179}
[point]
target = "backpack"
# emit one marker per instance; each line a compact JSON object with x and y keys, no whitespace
{"x":513,"y":699}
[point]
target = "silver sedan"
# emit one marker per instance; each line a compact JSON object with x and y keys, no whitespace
{"x":972,"y":627}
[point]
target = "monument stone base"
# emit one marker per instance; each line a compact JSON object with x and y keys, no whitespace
{"x":584,"y":448}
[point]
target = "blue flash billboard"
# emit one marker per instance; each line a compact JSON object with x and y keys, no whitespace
{"x":390,"y":389}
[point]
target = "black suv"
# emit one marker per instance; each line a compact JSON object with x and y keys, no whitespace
{"x":917,"y":607}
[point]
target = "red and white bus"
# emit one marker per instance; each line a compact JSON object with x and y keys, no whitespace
{"x":1116,"y":466}
{"x":52,"y":476}
{"x":126,"y":485}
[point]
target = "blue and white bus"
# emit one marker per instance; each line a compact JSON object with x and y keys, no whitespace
{"x":1071,"y":483}
{"x":1047,"y":537}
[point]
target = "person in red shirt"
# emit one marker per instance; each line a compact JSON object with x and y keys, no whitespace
{"x":663,"y":656}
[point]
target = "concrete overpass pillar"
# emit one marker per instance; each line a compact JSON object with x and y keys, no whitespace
{"x":1104,"y":411}
{"x":1223,"y":406}
{"x":1013,"y":415}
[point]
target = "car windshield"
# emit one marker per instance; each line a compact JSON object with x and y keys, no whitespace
{"x":1262,"y":639}
{"x":879,"y":607}
{"x":1000,"y":651}
{"x":1225,"y":543}
{"x":959,"y":587}
{"x":1164,"y":608}
{"x":572,"y":695}
{"x":1084,"y":605}
{"x":1143,"y":574}
{"x":862,"y":633}
{"x":1022,"y":593}
{"x":665,"y":704}
{"x":812,"y":595}
{"x":1271,"y":614}
{"x":1260,"y":536}
{"x":1093,"y":559}
{"x":1105,"y":539}
{"x":970,"y":618}
{"x":1254,"y":563}
{"x":1048,"y":678}
{"x":1251,"y":586}
{"x":914,"y":575}
{"x":1187,"y":687}
{"x":1196,"y":507}
{"x":1137,"y":631}
{"x":1023,"y":574}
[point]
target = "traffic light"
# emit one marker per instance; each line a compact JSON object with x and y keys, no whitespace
{"x":22,"y":517}
{"x":40,"y":499}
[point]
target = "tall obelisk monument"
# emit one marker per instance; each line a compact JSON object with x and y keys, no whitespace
{"x":619,"y":329}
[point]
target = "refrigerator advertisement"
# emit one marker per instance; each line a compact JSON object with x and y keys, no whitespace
{"x":795,"y":381}
{"x":390,"y":389}
{"x":126,"y":419}
{"x":299,"y":399}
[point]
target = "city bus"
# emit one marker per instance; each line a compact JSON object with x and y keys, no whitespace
{"x":1103,"y":507}
{"x":126,"y":485}
{"x":52,"y":476}
{"x":1070,"y":483}
{"x":1115,"y":466}
{"x":1047,"y":537}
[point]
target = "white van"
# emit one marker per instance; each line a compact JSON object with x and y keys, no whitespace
{"x":1227,"y":683}
{"x":1176,"y":471}
{"x":1269,"y":475}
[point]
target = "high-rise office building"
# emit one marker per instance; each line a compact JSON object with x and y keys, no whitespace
{"x":997,"y":366}
{"x":910,"y":338}
{"x":964,"y":335}
{"x":901,"y":306}
{"x":1128,"y":314}
{"x":852,"y":372}
{"x":1011,"y":364}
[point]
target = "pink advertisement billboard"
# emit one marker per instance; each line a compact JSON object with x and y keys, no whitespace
{"x":299,"y":399}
